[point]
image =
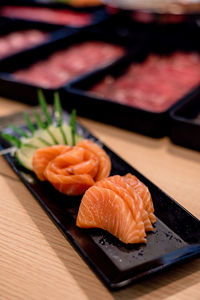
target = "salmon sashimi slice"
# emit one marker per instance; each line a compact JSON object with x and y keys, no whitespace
{"x":114,"y":205}
{"x":71,"y":169}
{"x":144,"y":193}
{"x":104,"y":160}
{"x":103,"y":208}
{"x":130,"y":200}
{"x":119,"y":180}
{"x":43,"y":156}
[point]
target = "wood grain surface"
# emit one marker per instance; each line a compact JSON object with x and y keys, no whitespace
{"x":37,"y":262}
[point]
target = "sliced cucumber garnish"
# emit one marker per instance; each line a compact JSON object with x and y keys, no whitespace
{"x":25,"y":156}
{"x":44,"y":133}
{"x":40,"y":139}
{"x":68,"y":133}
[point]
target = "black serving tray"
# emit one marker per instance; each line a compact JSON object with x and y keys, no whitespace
{"x":48,"y":3}
{"x":54,"y":32}
{"x":176,"y":236}
{"x":98,"y":13}
{"x":185,"y":123}
{"x":155,"y":124}
{"x":18,"y":90}
{"x":124,"y":25}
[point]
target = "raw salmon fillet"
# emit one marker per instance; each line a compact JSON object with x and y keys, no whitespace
{"x":119,"y":180}
{"x":131,"y":200}
{"x":72,"y":169}
{"x":103,"y":208}
{"x":114,"y":205}
{"x":144,"y":193}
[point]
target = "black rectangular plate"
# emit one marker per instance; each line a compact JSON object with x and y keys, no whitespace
{"x":185,"y":128}
{"x":176,"y":236}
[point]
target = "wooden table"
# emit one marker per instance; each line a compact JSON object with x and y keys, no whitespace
{"x":37,"y":262}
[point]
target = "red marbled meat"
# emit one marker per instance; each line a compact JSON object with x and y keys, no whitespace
{"x":154,"y":85}
{"x":65,"y":65}
{"x":49,"y":15}
{"x":20,"y":40}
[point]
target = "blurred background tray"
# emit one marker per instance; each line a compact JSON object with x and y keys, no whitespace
{"x":156,"y":124}
{"x":121,"y":27}
{"x":185,"y":123}
{"x":56,"y":3}
{"x":19,"y":90}
{"x":124,"y":24}
{"x":53,"y":13}
{"x":14,"y":35}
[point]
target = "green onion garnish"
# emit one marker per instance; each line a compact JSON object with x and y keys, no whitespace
{"x":30,"y":146}
{"x":39,"y":122}
{"x":52,"y":136}
{"x":63,"y":135}
{"x":44,"y":141}
{"x":12,"y":139}
{"x":58,"y":109}
{"x":58,"y":115}
{"x":73,"y":125}
{"x":43,"y":105}
{"x":19,"y":131}
{"x":29,"y":123}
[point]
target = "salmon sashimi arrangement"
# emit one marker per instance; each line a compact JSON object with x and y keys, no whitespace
{"x":123,"y":209}
{"x":72,"y":169}
{"x":74,"y":166}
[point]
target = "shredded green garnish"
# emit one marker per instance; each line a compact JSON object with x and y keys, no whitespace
{"x":42,"y":129}
{"x":52,"y":136}
{"x":73,"y":125}
{"x":30,"y":146}
{"x":43,"y":105}
{"x":39,"y":122}
{"x":58,"y":115}
{"x":58,"y":109}
{"x":11,"y":139}
{"x":44,"y":141}
{"x":29,"y":123}
{"x":63,"y":135}
{"x":19,"y":131}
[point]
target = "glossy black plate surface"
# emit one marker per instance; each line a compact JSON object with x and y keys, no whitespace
{"x":176,"y":236}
